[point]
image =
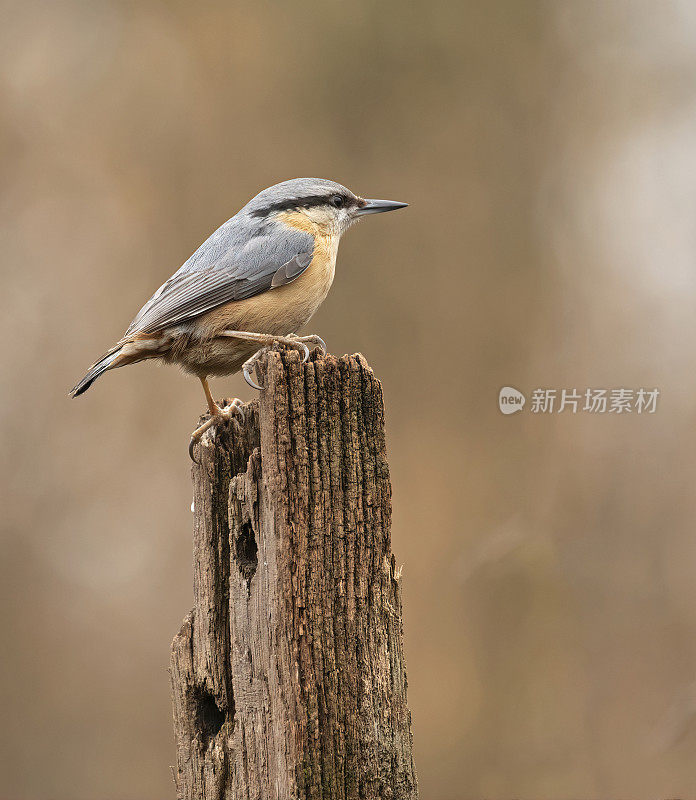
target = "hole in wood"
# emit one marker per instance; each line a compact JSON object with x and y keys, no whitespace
{"x":246,"y":552}
{"x":209,"y":717}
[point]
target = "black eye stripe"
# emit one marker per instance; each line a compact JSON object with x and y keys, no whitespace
{"x":304,"y":202}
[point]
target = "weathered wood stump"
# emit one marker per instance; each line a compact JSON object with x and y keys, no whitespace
{"x":288,"y":676}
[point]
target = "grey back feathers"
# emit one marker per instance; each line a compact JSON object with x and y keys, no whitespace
{"x":288,"y":272}
{"x":238,"y":261}
{"x":251,"y":253}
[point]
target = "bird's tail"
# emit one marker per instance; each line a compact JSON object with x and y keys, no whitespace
{"x":105,"y":362}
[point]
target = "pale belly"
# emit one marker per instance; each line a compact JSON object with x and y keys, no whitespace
{"x":201,"y":350}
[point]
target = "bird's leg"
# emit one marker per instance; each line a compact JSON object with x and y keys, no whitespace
{"x":217,"y":414}
{"x":213,"y":407}
{"x":266,"y":340}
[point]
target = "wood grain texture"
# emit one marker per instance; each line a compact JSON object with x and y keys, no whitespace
{"x":288,"y":676}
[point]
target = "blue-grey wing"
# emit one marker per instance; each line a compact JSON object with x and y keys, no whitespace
{"x":240,"y":260}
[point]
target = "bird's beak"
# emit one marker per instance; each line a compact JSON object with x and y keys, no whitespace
{"x":378,"y":206}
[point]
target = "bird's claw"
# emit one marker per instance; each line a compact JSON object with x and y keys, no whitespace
{"x":313,"y":340}
{"x":229,"y":413}
{"x":246,"y":371}
{"x":292,"y":341}
{"x":305,"y":357}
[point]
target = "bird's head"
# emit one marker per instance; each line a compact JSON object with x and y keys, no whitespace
{"x":315,"y":204}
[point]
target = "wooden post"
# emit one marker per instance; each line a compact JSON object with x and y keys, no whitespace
{"x":288,"y":676}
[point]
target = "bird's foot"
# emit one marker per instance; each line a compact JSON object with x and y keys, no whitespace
{"x":311,"y":341}
{"x":266,"y":340}
{"x":234,"y":412}
{"x":302,"y":343}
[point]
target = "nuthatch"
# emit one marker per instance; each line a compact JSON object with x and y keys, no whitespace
{"x":255,"y":281}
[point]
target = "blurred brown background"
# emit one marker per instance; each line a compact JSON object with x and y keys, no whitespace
{"x":548,"y":153}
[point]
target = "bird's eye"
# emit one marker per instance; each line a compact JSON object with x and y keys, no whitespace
{"x":337,"y":201}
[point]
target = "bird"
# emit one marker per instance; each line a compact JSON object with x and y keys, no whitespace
{"x":255,"y":281}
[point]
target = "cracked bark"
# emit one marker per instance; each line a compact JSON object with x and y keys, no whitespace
{"x":288,"y":676}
